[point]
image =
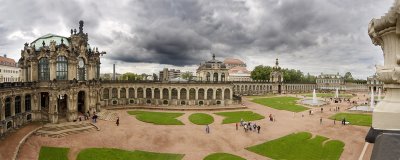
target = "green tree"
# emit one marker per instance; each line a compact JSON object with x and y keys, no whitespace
{"x":131,"y":76}
{"x":348,"y":76}
{"x":155,"y":77}
{"x":292,"y":75}
{"x":261,"y":72}
{"x":186,"y":75}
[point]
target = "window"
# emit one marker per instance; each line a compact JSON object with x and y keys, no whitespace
{"x":62,"y":68}
{"x":122,"y":93}
{"x":8,"y":107}
{"x":27,"y":103}
{"x":106,"y":93}
{"x":114,"y":93}
{"x":44,"y":69}
{"x":81,"y":72}
{"x":17,"y":104}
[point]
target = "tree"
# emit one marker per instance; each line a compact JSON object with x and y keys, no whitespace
{"x":292,"y":75}
{"x":155,"y":77}
{"x":131,"y":76}
{"x":348,"y":76}
{"x":186,"y":75}
{"x":261,"y":72}
{"x":106,"y":77}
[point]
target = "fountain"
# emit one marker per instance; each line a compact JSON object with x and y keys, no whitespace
{"x":314,"y":101}
{"x":314,"y":98}
{"x":379,"y":94}
{"x":372,"y":100}
{"x":337,"y":93}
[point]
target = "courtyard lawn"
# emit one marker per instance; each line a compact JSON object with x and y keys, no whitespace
{"x":159,"y":118}
{"x":300,"y":146}
{"x":234,"y":117}
{"x":118,"y":154}
{"x":354,"y":118}
{"x":53,"y":153}
{"x":201,"y":118}
{"x":329,"y":95}
{"x":281,"y":103}
{"x":223,"y":156}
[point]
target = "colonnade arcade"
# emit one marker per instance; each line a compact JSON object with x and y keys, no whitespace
{"x":166,"y":94}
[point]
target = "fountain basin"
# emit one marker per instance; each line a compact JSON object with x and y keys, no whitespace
{"x":361,"y":108}
{"x":310,"y":102}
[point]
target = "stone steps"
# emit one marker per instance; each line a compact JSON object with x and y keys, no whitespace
{"x":64,"y":129}
{"x":108,"y":115}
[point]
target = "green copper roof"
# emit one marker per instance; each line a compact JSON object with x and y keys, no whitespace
{"x":47,"y":39}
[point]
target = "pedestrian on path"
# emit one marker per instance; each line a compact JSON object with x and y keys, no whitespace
{"x":334,"y":121}
{"x":320,"y":120}
{"x":207,"y":129}
{"x":117,"y":121}
{"x":258,"y":129}
{"x":237,"y":126}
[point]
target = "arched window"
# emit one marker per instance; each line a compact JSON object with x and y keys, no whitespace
{"x":106,"y":93}
{"x":114,"y":93}
{"x":122,"y":93}
{"x":81,"y":72}
{"x":208,"y":76}
{"x":62,"y":68}
{"x":7,"y":107}
{"x":27,"y":103}
{"x":43,"y":69}
{"x":17,"y":104}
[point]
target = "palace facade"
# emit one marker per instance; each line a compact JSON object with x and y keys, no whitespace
{"x":61,"y":80}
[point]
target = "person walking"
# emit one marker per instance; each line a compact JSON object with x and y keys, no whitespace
{"x":237,"y":126}
{"x":255,"y":127}
{"x":245,"y":127}
{"x":320,"y":120}
{"x":117,"y":121}
{"x":334,"y":121}
{"x":258,"y":129}
{"x":207,"y":129}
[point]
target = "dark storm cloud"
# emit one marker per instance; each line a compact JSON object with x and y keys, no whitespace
{"x":184,"y":32}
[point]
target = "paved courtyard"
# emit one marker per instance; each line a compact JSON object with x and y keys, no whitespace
{"x":191,"y":139}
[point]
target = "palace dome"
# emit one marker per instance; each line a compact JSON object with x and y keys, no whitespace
{"x":233,"y":61}
{"x":47,"y":39}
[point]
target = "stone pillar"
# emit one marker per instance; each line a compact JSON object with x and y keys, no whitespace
{"x":196,"y":94}
{"x":161,"y":93}
{"x":12,"y":98}
{"x":187,"y":93}
{"x":23,"y":103}
{"x":2,"y":109}
{"x":52,"y":69}
{"x":169,"y":94}
{"x":152,"y":93}
{"x":214,"y":94}
{"x":385,"y":32}
{"x":136,"y":92}
{"x":179,"y":93}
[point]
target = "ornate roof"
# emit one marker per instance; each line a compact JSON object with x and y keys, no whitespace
{"x":46,"y":39}
{"x":385,"y":23}
{"x":233,"y":61}
{"x":238,"y":69}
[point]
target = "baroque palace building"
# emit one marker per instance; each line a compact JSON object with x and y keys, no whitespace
{"x":61,"y":80}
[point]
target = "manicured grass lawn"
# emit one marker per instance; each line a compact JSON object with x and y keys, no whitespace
{"x":300,"y":146}
{"x":329,"y":95}
{"x":201,"y":118}
{"x":223,"y":156}
{"x":118,"y":154}
{"x":159,"y":118}
{"x":281,"y":103}
{"x":53,"y":153}
{"x":354,"y":118}
{"x":233,"y":117}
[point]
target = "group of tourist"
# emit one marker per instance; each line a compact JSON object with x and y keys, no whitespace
{"x":248,"y":126}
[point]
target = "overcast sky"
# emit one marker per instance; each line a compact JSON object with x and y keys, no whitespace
{"x":144,"y":36}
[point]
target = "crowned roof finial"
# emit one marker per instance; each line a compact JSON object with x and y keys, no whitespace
{"x":277,"y":63}
{"x":80,"y":26}
{"x":213,"y":56}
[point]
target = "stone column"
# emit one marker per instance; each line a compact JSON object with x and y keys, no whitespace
{"x":196,"y":94}
{"x":52,"y":66}
{"x":12,"y":98}
{"x":179,"y":93}
{"x":152,"y":93}
{"x":169,"y":94}
{"x":136,"y":92}
{"x":2,"y":109}
{"x":385,"y":32}
{"x":161,"y":93}
{"x":187,"y":93}
{"x":22,"y":103}
{"x":214,"y":94}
